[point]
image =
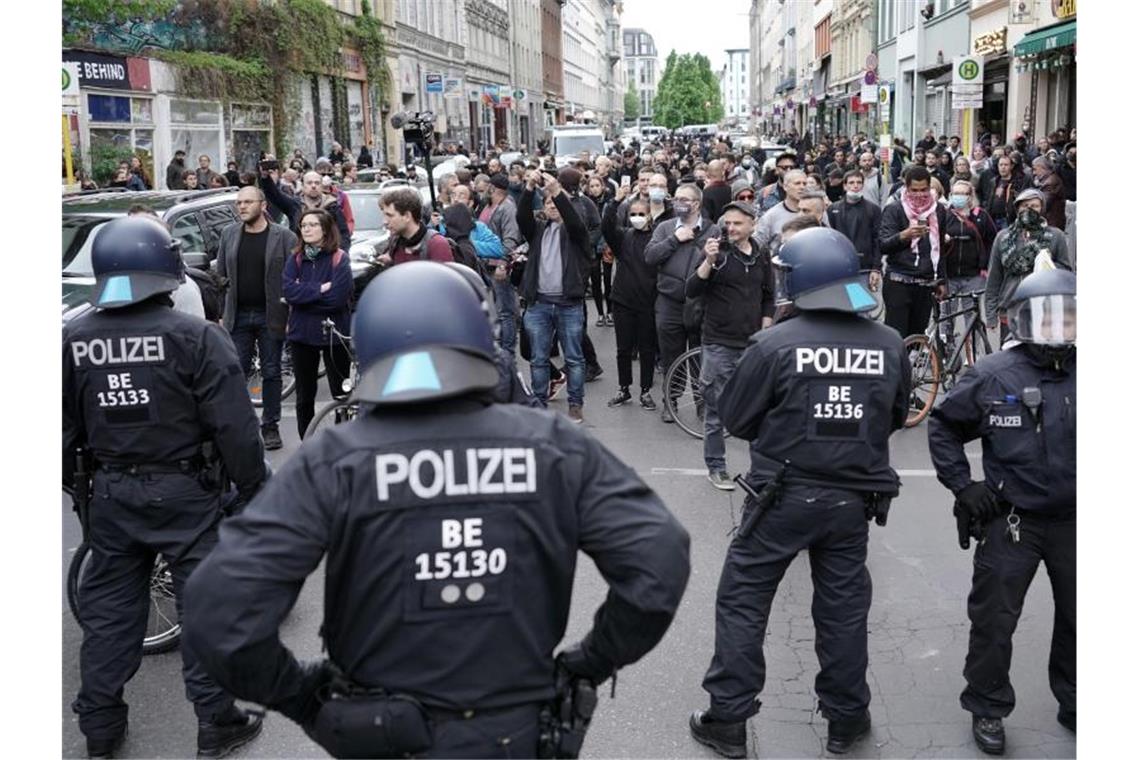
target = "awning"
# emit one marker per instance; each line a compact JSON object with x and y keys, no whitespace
{"x":942,"y":79}
{"x":1050,"y":38}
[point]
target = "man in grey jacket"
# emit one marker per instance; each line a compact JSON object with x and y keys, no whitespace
{"x":500,"y":217}
{"x":251,"y":254}
{"x":675,"y":249}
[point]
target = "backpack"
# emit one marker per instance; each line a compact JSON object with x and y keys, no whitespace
{"x":462,"y":252}
{"x":487,"y":243}
{"x":213,"y":288}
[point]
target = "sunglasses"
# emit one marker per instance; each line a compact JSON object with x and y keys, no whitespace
{"x":746,"y":197}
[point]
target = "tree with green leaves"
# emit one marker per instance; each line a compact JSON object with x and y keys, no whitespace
{"x":687,"y":93}
{"x":632,"y":104}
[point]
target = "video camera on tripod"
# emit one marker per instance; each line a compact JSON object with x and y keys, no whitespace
{"x":419,"y":127}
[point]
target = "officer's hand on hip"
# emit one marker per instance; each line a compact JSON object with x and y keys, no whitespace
{"x":979,"y":501}
{"x":578,"y":662}
{"x":302,"y":709}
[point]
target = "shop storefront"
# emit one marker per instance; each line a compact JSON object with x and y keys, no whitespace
{"x":1048,"y":57}
{"x":991,"y":117}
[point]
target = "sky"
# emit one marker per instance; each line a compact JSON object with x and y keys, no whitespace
{"x":691,"y":26}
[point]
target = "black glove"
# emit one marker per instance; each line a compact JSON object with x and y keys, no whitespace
{"x":980,"y":503}
{"x":580,"y":662}
{"x":304,"y":706}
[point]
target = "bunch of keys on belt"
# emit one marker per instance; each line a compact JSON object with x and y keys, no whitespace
{"x":1014,"y":526}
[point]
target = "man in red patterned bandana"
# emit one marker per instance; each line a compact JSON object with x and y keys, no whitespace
{"x":910,"y":238}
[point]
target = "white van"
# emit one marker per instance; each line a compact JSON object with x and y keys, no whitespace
{"x":567,"y":143}
{"x":653,"y":133}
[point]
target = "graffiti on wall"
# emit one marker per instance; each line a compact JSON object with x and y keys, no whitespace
{"x":135,"y":36}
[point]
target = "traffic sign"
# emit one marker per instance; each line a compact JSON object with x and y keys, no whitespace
{"x":872,"y":61}
{"x":868,"y":93}
{"x":884,"y":104}
{"x":967,"y":70}
{"x":869,"y":77}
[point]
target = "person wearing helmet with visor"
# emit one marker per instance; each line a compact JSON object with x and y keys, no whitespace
{"x":144,"y":388}
{"x":1021,"y":402}
{"x":817,"y":395}
{"x":451,"y":526}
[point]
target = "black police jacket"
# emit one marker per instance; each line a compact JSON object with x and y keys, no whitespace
{"x":1030,"y":463}
{"x":147,"y":384}
{"x":450,"y":537}
{"x":822,"y":391}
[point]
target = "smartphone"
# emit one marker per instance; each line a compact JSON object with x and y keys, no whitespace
{"x":625,"y":180}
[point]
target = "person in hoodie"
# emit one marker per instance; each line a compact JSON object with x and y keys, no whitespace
{"x":633,"y":294}
{"x":969,"y":235}
{"x":317,"y":285}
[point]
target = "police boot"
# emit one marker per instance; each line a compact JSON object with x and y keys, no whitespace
{"x":989,"y":735}
{"x":226,"y":731}
{"x":727,"y":739}
{"x":844,"y":732}
{"x":105,"y":747}
{"x":1068,"y":720}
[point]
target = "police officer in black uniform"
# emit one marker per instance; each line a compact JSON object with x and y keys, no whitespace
{"x":144,"y":388}
{"x":1022,"y":403}
{"x":818,"y":394}
{"x":450,"y":527}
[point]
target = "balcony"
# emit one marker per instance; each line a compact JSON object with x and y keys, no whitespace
{"x":789,"y":83}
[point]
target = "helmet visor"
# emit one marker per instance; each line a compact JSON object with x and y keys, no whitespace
{"x":1045,"y":320}
{"x":782,"y":271}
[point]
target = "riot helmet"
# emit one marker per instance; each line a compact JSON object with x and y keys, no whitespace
{"x":1043,"y":309}
{"x":134,"y":258}
{"x":818,"y":270}
{"x":422,"y":333}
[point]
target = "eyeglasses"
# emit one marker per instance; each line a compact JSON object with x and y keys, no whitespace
{"x":785,"y":167}
{"x":746,"y":197}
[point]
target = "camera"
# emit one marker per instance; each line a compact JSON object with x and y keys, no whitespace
{"x":269,"y":164}
{"x":418,"y":127}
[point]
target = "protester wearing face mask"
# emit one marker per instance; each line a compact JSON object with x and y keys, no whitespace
{"x":675,"y":250}
{"x":633,"y":295}
{"x":858,"y":219}
{"x":1014,"y":254}
{"x":910,"y":236}
{"x":968,"y":236}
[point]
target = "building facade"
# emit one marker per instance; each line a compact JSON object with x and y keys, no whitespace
{"x":553,"y":86}
{"x":641,"y":67}
{"x":430,"y":40}
{"x":590,"y":51}
{"x":734,"y":90}
{"x":526,"y":70}
{"x":488,"y":73}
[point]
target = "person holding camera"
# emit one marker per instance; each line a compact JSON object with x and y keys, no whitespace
{"x":312,"y":198}
{"x":735,"y":281}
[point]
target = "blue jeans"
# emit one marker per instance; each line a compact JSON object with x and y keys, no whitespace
{"x":717,"y":365}
{"x":249,"y":329}
{"x":541,"y":321}
{"x":507,"y":302}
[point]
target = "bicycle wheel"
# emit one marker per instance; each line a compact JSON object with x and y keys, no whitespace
{"x":288,"y":384}
{"x":977,"y":345}
{"x":333,"y":414}
{"x":683,"y":393}
{"x":163,"y":631}
{"x":925,"y":377}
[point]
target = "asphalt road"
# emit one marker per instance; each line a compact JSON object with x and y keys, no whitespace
{"x":918,"y":626}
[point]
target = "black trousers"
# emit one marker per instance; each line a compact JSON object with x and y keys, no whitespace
{"x":133,"y":518}
{"x":908,"y":307}
{"x":306,"y":369}
{"x":672,"y":337}
{"x":830,"y":524}
{"x":634,"y":330}
{"x":601,"y":278}
{"x":507,"y":733}
{"x":1003,"y":571}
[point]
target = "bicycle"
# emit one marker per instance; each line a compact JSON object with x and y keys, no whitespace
{"x":164,"y":632}
{"x":936,"y":365}
{"x":254,"y":380}
{"x":341,"y":409}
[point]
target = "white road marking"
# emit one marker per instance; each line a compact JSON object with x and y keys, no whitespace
{"x":694,"y":471}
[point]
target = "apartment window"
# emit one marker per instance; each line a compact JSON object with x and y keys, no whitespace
{"x":121,"y":124}
{"x":195,"y":127}
{"x":906,"y":15}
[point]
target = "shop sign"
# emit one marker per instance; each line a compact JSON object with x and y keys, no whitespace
{"x":99,"y":70}
{"x":433,"y":82}
{"x":452,"y":87}
{"x":994,"y":42}
{"x":1022,"y":11}
{"x":1063,"y":9}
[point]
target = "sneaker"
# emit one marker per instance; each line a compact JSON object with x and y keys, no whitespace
{"x":271,"y":436}
{"x":843,"y":733}
{"x":601,"y":321}
{"x":989,"y":735}
{"x":576,"y":414}
{"x":622,"y":397}
{"x":720,"y":479}
{"x":609,"y":320}
{"x":105,"y":747}
{"x":556,"y":387}
{"x":593,"y":373}
{"x":666,"y":415}
{"x":647,"y":401}
{"x":728,"y":739}
{"x":227,"y":731}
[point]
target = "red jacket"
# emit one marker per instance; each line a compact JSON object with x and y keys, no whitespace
{"x":438,"y":249}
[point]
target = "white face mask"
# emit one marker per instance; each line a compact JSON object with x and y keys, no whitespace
{"x":638,"y":222}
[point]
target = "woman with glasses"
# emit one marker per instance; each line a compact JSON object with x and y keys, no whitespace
{"x":317,"y":285}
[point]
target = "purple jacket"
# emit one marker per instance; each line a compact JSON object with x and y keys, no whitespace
{"x":308,"y":306}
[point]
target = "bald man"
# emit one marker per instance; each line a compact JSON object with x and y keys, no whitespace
{"x":717,"y":192}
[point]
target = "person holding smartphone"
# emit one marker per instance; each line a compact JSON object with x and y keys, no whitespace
{"x":910,"y":237}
